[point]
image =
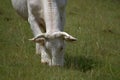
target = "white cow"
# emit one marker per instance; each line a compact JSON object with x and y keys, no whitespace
{"x":47,"y":19}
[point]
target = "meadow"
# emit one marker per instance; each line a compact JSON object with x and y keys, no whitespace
{"x":94,"y":56}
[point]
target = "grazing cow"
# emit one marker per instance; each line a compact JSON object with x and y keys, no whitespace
{"x":47,"y":19}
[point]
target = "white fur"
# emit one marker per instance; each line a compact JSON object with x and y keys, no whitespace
{"x":46,"y":17}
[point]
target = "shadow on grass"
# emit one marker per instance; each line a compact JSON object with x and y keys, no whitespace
{"x":81,"y":63}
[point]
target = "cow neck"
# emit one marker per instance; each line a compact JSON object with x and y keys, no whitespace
{"x":52,"y":16}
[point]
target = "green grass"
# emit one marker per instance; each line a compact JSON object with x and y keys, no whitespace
{"x":95,"y":56}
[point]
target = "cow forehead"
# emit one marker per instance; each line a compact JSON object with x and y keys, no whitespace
{"x":55,"y":43}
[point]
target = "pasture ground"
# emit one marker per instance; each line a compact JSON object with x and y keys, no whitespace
{"x":95,"y":56}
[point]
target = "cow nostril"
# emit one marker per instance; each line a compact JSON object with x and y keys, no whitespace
{"x":61,"y":48}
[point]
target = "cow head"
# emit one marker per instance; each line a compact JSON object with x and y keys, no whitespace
{"x":53,"y":46}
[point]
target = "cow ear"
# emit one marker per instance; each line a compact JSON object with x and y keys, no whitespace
{"x":38,"y":40}
{"x":69,"y":38}
{"x":64,"y":35}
